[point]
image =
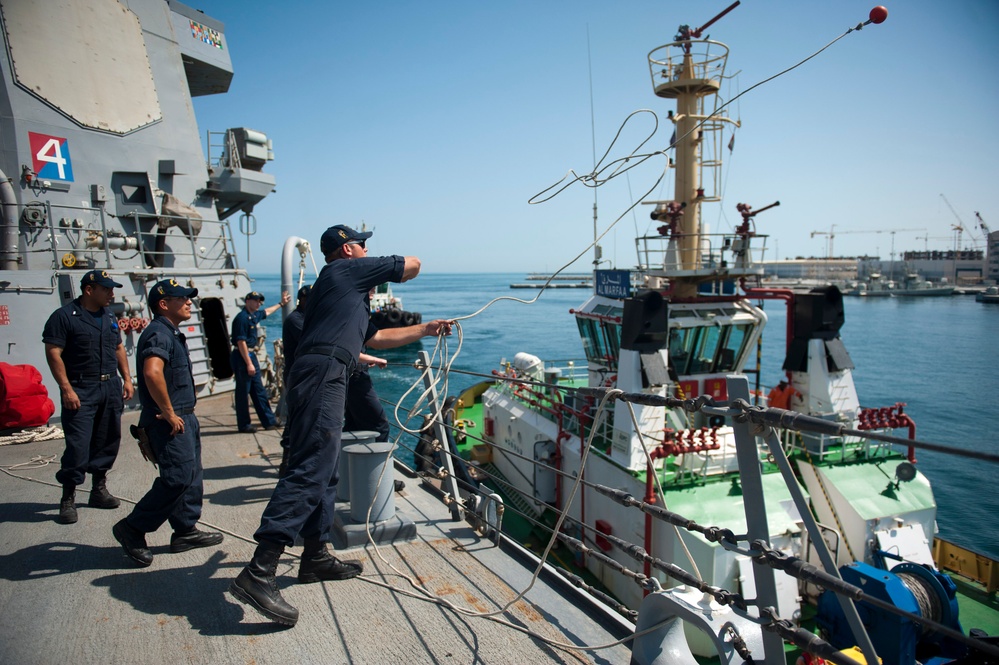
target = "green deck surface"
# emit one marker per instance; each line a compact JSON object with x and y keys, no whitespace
{"x":855,"y":481}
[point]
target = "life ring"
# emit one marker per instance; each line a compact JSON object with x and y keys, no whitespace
{"x":408,"y":319}
{"x":393,"y":317}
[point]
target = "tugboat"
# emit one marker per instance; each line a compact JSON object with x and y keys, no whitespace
{"x":562,"y":444}
{"x":387,"y":310}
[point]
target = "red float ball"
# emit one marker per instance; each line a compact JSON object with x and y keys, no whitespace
{"x":879,"y":14}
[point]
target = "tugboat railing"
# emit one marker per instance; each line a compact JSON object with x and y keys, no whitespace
{"x":722,"y":253}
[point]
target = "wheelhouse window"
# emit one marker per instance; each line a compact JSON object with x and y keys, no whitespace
{"x":706,"y":349}
{"x":601,"y":341}
{"x":731,"y":347}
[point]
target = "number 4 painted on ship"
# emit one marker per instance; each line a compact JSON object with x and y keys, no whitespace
{"x":50,"y":157}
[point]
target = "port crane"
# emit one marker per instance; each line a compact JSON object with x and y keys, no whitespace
{"x":832,"y":233}
{"x":960,"y":228}
{"x":982,"y":225}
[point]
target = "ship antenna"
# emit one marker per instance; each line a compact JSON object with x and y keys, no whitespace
{"x":593,"y":143}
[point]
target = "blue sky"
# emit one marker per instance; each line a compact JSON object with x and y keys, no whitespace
{"x":434,"y":123}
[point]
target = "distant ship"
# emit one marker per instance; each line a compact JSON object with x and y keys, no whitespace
{"x":877,"y":285}
{"x":989,"y":295}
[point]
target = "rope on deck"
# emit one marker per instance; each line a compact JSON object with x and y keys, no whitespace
{"x":31,"y":434}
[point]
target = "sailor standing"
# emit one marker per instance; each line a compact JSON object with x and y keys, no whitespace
{"x":336,"y":327}
{"x":167,"y":395}
{"x":291,"y":332}
{"x":364,"y":394}
{"x":85,"y":355}
{"x":780,"y":396}
{"x":245,"y":363}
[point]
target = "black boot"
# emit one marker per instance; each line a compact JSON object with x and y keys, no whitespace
{"x":189,"y":540}
{"x":318,"y":565}
{"x":133,"y":542}
{"x":100,"y":497}
{"x":256,"y":587}
{"x":67,"y":505}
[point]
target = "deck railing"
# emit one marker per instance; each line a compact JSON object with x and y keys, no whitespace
{"x":90,"y":237}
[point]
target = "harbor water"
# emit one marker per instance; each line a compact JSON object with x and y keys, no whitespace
{"x":937,"y":355}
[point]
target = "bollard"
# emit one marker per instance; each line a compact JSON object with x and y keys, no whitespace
{"x":365,"y":463}
{"x":343,"y":466}
{"x":361,"y":465}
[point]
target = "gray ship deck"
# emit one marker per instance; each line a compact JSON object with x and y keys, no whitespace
{"x":69,"y":594}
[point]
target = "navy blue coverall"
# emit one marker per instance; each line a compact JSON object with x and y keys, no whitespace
{"x":177,"y":494}
{"x":291,"y":333}
{"x":364,"y":410}
{"x":244,"y":327}
{"x":336,"y":327}
{"x":89,"y":343}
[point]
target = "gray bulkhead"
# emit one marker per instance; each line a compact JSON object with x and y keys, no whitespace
{"x":103,"y":167}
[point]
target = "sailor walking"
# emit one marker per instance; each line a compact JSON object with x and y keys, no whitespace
{"x":167,"y":395}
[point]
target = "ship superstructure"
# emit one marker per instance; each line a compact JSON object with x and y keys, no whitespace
{"x":102,"y":167}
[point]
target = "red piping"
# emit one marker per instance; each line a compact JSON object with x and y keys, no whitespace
{"x":787,"y":295}
{"x":889,"y":417}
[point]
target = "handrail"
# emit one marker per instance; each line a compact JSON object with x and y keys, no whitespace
{"x":724,"y":252}
{"x":81,"y":236}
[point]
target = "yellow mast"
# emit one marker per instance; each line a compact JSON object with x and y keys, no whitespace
{"x":688,"y":71}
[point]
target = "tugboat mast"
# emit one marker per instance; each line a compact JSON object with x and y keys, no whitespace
{"x":689,"y":75}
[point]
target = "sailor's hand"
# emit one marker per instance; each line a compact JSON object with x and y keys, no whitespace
{"x":285,"y":298}
{"x":175,"y":421}
{"x":70,"y":400}
{"x":251,"y":369}
{"x":127,"y":389}
{"x":372,"y":361}
{"x":437,"y":328}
